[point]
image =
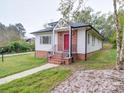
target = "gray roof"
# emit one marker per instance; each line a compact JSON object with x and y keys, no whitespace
{"x":49,"y":29}
{"x":77,"y":25}
{"x":73,"y":25}
{"x":52,"y":25}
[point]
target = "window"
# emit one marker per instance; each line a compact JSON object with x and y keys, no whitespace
{"x":45,"y":40}
{"x":88,"y":38}
{"x":93,"y":40}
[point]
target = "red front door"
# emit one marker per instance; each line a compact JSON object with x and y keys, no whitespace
{"x":66,"y":42}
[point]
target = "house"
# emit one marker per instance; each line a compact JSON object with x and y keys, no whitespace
{"x":62,"y":42}
{"x":30,"y":40}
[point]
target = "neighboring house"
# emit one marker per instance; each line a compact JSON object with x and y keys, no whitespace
{"x":64,"y":42}
{"x":30,"y":40}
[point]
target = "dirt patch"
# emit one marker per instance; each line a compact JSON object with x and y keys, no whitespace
{"x":93,"y":81}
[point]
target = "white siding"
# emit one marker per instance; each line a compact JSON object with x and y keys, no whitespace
{"x":81,"y":41}
{"x":97,"y":45}
{"x":42,"y":47}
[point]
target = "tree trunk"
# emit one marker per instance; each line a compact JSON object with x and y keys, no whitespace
{"x":122,"y":51}
{"x":118,"y":62}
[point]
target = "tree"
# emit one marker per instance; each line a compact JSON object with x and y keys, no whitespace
{"x":10,"y":33}
{"x":121,"y":21}
{"x":65,"y":8}
{"x":21,"y":30}
{"x":120,"y":48}
{"x":86,"y":15}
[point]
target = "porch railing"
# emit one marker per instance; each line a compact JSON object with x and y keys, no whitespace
{"x":64,"y":53}
{"x":61,"y":48}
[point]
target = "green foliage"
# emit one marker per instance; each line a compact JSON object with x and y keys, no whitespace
{"x":66,"y":7}
{"x":18,"y":46}
{"x":112,"y":40}
{"x":32,"y":46}
{"x":112,"y":37}
{"x":83,"y":16}
{"x":21,"y":29}
{"x":121,"y":18}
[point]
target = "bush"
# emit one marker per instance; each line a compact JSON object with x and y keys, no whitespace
{"x":17,"y":46}
{"x":112,"y":39}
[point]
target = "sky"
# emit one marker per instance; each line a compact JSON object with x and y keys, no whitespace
{"x":33,"y":14}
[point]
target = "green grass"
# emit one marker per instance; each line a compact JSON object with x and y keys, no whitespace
{"x":44,"y":81}
{"x":104,"y":59}
{"x":19,"y":63}
{"x":41,"y":82}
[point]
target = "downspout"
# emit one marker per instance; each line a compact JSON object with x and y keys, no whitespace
{"x":86,"y":45}
{"x":70,"y":41}
{"x":53,"y":43}
{"x":86,"y":42}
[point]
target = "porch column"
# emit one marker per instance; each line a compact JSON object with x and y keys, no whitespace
{"x":70,"y":42}
{"x":53,"y":42}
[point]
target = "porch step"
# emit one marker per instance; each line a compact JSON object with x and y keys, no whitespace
{"x":56,"y":62}
{"x":56,"y":59}
{"x":61,"y":61}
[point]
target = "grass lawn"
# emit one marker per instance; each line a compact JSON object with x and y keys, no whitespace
{"x":104,"y":59}
{"x":41,"y":82}
{"x":19,"y":63}
{"x":44,"y":81}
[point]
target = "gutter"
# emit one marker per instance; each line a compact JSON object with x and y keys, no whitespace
{"x":90,"y":29}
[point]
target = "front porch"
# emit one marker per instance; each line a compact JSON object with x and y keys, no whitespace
{"x":61,"y":48}
{"x":64,"y":44}
{"x":63,"y":41}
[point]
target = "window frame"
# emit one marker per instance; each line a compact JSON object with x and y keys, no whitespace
{"x":48,"y":38}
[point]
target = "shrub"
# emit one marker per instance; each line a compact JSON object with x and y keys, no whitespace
{"x":17,"y":46}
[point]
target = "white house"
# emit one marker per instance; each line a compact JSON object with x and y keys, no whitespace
{"x":64,"y":42}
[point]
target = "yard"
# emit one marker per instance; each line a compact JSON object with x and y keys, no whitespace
{"x":41,"y":82}
{"x":44,"y":81}
{"x":104,"y":59}
{"x":18,"y":63}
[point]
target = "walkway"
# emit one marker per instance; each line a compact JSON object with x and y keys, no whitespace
{"x":26,"y":73}
{"x":16,"y":54}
